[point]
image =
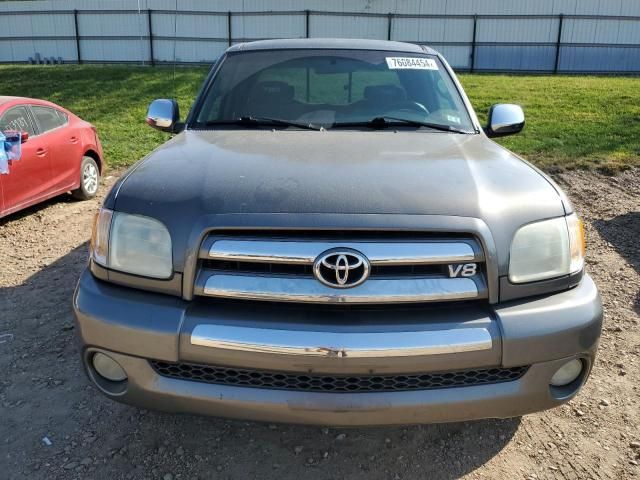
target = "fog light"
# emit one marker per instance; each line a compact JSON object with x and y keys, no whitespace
{"x":567,"y":373}
{"x":108,"y":368}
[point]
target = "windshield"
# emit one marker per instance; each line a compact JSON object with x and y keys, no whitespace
{"x":332,"y":88}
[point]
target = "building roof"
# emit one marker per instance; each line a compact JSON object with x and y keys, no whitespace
{"x":332,"y":43}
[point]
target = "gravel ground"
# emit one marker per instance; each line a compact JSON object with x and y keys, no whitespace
{"x":54,"y":424}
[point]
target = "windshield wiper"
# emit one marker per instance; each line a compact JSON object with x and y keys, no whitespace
{"x":385,"y":122}
{"x":264,"y":121}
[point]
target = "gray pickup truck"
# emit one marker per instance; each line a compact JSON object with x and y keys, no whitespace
{"x":331,"y":237}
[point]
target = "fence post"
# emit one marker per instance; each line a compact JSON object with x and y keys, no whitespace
{"x":558,"y":44}
{"x":77,"y":35}
{"x":389,"y":25}
{"x":473,"y":44}
{"x":151,"y":59}
{"x":229,"y":27}
{"x":306,"y":23}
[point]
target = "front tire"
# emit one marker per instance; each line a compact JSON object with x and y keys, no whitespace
{"x":89,"y":179}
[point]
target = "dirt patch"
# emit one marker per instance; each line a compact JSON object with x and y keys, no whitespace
{"x":54,"y":424}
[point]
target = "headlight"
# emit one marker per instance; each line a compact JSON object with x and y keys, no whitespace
{"x":577,"y":243}
{"x":547,"y":249}
{"x":132,"y":244}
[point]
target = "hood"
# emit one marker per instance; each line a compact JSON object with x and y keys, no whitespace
{"x":202,"y":174}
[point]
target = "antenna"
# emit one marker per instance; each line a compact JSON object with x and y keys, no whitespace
{"x":175,"y":34}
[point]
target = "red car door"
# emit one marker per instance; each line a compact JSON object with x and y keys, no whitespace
{"x":65,"y":146}
{"x":30,"y":177}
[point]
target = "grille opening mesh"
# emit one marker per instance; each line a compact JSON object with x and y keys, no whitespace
{"x":439,"y":270}
{"x":302,"y":382}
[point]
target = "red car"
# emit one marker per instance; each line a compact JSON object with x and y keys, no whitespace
{"x":60,"y":153}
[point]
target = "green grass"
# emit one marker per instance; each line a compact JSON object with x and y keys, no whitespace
{"x":572,"y":121}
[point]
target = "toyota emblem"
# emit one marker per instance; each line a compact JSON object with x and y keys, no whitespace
{"x":341,"y":268}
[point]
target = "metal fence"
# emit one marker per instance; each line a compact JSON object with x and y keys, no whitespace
{"x":531,"y":43}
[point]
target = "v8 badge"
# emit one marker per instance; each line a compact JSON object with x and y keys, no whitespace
{"x":462,"y":270}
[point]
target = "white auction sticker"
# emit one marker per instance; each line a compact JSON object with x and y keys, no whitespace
{"x":417,"y":63}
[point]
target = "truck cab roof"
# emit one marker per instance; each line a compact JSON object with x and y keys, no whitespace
{"x":333,"y":44}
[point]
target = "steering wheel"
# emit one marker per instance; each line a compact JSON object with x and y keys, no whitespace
{"x":409,"y":106}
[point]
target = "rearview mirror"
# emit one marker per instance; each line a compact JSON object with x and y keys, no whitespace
{"x":164,"y":115}
{"x":504,"y":119}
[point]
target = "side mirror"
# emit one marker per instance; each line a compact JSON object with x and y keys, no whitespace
{"x":24,"y":136}
{"x":504,"y":119}
{"x":164,"y":114}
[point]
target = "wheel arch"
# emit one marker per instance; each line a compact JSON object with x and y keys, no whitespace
{"x":93,"y":154}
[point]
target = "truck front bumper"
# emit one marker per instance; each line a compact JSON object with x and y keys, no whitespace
{"x":135,"y":327}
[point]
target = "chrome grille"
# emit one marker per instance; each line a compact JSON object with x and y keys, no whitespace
{"x":334,"y":383}
{"x":280,"y":269}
